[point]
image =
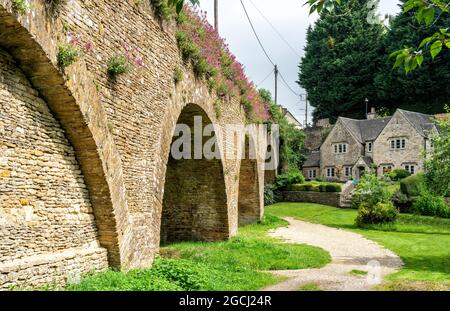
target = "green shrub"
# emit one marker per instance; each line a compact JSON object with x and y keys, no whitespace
{"x":333,"y":188}
{"x":379,"y":213}
{"x":412,"y":185}
{"x":369,"y":190}
{"x":402,"y":202}
{"x":271,"y":195}
{"x":292,"y":177}
{"x":67,"y":55}
{"x":20,"y":6}
{"x":428,"y":204}
{"x":398,"y":174}
{"x":117,"y":65}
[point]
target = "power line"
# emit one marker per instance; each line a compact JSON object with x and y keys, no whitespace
{"x":287,"y":85}
{"x":275,"y":29}
{"x":256,"y":35}
{"x":270,"y":73}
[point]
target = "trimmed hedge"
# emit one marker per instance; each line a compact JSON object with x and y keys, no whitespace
{"x":399,"y":174}
{"x":316,"y":187}
{"x":411,"y":185}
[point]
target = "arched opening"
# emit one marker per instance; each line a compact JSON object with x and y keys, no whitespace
{"x":249,"y":199}
{"x":195,"y":200}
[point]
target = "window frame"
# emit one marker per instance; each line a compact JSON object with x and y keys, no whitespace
{"x":397,"y":144}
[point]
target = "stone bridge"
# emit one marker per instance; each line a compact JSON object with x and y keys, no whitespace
{"x":86,"y":176}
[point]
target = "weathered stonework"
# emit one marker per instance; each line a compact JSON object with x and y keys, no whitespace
{"x":46,"y":217}
{"x":111,"y":142}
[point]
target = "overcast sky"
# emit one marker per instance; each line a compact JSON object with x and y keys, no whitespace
{"x":291,"y":19}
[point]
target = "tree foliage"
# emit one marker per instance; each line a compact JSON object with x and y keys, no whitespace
{"x":342,"y":54}
{"x":428,"y":12}
{"x":426,"y":89}
{"x":292,"y":151}
{"x":438,"y":160}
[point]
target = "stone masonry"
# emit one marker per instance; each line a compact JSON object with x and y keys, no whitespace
{"x":84,"y":160}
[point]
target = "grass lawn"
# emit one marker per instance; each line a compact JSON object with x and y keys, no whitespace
{"x":423,"y":243}
{"x":230,"y":265}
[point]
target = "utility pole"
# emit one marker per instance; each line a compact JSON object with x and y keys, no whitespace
{"x":276,"y":84}
{"x":367,"y":107}
{"x":306,"y":112}
{"x":216,"y":15}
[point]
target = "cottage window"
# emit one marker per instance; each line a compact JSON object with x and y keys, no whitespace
{"x":340,"y":148}
{"x":398,"y":144}
{"x":411,"y":169}
{"x":348,"y":171}
{"x":369,"y":147}
{"x":312,"y":174}
{"x":387,"y":169}
{"x":330,"y":172}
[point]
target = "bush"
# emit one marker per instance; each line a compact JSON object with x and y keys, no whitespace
{"x":117,"y":65}
{"x":398,"y":174}
{"x":67,"y":55}
{"x":333,"y":188}
{"x":369,"y":190}
{"x":286,"y":179}
{"x":428,"y":204}
{"x":380,"y":213}
{"x":402,"y":202}
{"x":412,"y":185}
{"x":315,"y":187}
{"x":271,"y":195}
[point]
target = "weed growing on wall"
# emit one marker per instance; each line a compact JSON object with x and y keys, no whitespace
{"x":67,"y":55}
{"x":20,"y":6}
{"x":124,"y":61}
{"x":177,"y":75}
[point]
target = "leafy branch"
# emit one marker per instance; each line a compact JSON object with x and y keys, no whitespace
{"x":178,"y":4}
{"x":428,"y":12}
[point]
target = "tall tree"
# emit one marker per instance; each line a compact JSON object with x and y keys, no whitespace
{"x":343,"y":54}
{"x":426,"y":89}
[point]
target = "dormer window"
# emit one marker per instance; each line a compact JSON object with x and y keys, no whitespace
{"x":398,"y":144}
{"x":369,"y":147}
{"x":340,"y":148}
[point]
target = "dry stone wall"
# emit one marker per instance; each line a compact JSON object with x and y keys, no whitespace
{"x":114,"y":138}
{"x":45,"y":208}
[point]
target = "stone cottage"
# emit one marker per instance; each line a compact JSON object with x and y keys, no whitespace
{"x":354,"y":146}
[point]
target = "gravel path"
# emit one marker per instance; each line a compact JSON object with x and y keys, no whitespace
{"x":349,"y":251}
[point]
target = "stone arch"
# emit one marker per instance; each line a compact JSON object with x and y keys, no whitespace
{"x":250,"y":203}
{"x":75,"y":104}
{"x":194,"y":204}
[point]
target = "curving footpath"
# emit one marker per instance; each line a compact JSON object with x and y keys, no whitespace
{"x":349,"y":251}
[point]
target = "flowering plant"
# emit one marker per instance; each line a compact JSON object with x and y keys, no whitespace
{"x":212,"y":59}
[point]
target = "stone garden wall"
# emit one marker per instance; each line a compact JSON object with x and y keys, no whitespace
{"x":325,"y":198}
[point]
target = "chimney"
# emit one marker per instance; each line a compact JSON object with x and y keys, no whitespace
{"x":372,"y":115}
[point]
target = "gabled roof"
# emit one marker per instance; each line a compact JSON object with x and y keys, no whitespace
{"x":423,"y":123}
{"x":313,"y":160}
{"x":365,"y":130}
